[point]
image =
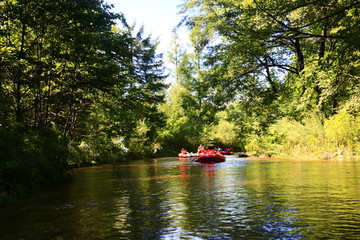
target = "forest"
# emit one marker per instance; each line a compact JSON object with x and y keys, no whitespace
{"x":79,"y":85}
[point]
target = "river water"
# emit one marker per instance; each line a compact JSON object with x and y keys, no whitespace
{"x":169,"y":198}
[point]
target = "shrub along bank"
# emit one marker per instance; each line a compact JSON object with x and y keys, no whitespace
{"x":313,"y":137}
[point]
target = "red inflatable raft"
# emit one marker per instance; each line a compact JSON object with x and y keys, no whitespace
{"x":187,"y":155}
{"x":210,"y":157}
{"x":226,"y":152}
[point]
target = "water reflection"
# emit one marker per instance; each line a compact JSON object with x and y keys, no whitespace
{"x":178,"y":199}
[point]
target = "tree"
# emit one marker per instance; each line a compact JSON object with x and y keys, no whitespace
{"x":121,"y":115}
{"x":51,"y":62}
{"x":175,"y":55}
{"x":183,"y":125}
{"x":277,"y":46}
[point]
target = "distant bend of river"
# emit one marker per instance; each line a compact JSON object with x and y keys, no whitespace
{"x":171,"y":198}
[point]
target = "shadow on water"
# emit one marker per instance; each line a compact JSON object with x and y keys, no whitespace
{"x":170,"y":198}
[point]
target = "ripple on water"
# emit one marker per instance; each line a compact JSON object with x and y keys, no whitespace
{"x":172,"y":199}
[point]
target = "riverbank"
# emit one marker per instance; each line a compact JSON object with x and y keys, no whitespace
{"x":335,"y":155}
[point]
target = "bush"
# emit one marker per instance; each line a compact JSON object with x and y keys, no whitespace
{"x":343,"y":131}
{"x":314,"y":136}
{"x":30,"y":161}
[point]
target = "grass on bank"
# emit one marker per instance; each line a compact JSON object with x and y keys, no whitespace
{"x":315,"y":136}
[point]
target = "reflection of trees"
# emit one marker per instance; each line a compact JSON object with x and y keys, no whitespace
{"x":300,"y":199}
{"x":271,"y":213}
{"x":210,"y":198}
{"x":142,"y":202}
{"x":234,"y":199}
{"x":122,"y":212}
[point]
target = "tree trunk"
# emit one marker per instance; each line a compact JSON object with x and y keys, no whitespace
{"x":269,"y":78}
{"x":299,"y":54}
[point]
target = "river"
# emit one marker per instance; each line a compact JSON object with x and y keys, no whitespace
{"x":168,"y":198}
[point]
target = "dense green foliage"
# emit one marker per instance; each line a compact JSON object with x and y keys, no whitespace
{"x":73,"y":87}
{"x":273,"y":67}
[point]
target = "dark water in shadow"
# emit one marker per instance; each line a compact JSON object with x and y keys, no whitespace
{"x":169,"y":198}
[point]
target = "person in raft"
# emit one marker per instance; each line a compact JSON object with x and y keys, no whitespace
{"x":184,"y":151}
{"x":200,"y":149}
{"x":229,"y":150}
{"x":211,"y":150}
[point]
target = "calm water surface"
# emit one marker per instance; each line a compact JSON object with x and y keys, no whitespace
{"x":169,"y":198}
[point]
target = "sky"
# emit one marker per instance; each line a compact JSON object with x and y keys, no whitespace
{"x":159,"y":18}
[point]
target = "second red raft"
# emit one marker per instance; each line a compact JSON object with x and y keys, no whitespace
{"x":210,"y":157}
